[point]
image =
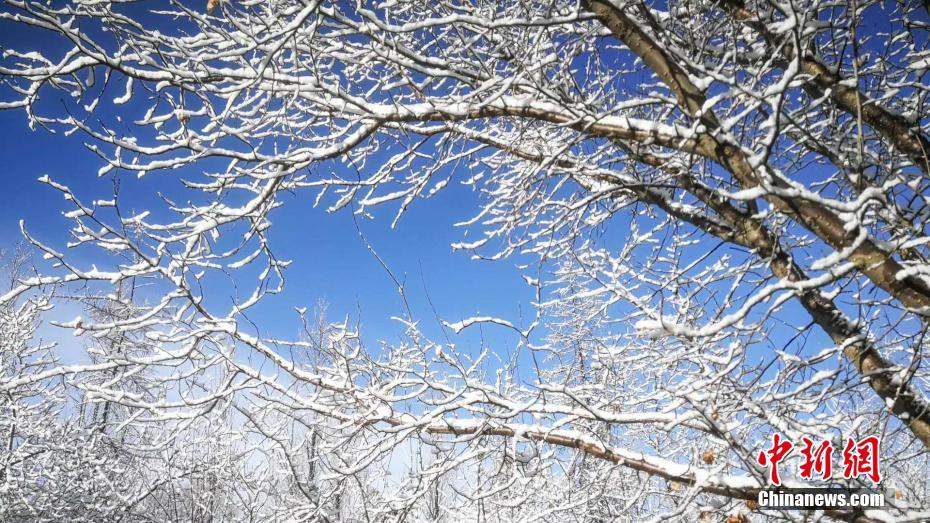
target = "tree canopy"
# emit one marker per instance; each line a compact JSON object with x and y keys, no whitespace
{"x":724,"y":205}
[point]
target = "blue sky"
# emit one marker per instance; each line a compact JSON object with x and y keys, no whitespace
{"x":331,"y":260}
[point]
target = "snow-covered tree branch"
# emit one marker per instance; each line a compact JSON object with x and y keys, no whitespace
{"x":720,"y":206}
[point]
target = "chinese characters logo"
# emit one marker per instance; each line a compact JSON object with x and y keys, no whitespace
{"x":860,"y":458}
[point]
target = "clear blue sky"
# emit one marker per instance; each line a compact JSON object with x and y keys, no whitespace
{"x":331,"y":261}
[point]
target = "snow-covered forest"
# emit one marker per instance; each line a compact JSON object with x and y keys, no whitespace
{"x":720,"y":207}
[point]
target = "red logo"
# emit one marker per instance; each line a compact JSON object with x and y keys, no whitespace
{"x":860,"y":458}
{"x":772,"y":457}
{"x":817,"y":459}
